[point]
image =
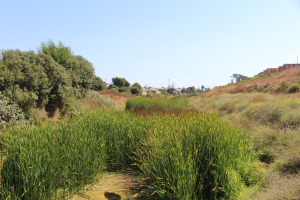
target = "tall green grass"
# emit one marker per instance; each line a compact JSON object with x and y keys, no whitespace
{"x":146,"y":103}
{"x":186,"y":156}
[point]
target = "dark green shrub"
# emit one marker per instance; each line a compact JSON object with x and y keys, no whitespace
{"x":135,"y":90}
{"x":265,"y":155}
{"x":282,"y":86}
{"x":98,"y":84}
{"x":293,"y":88}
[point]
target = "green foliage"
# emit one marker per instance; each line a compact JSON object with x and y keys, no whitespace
{"x":293,"y":88}
{"x":252,"y":173}
{"x":10,"y":113}
{"x":120,"y":82}
{"x":135,"y":90}
{"x":60,"y":53}
{"x":164,"y":92}
{"x":60,"y":82}
{"x":137,"y":85}
{"x":146,"y":103}
{"x":188,"y":156}
{"x":170,"y":90}
{"x":82,"y":75}
{"x":191,"y":89}
{"x":98,"y":84}
{"x":124,"y":89}
{"x":283,"y":86}
{"x":114,"y":89}
{"x":265,"y":155}
{"x":51,"y":78}
{"x":238,"y":77}
{"x":23,"y":79}
{"x":184,"y":90}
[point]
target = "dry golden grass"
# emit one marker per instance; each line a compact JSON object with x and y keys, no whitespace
{"x":272,"y":123}
{"x":266,"y":84}
{"x":119,"y":98}
{"x":279,"y":186}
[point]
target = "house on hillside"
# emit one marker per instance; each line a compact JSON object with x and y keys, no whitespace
{"x":278,"y":69}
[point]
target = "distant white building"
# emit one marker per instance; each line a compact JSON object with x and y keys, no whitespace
{"x":153,"y":90}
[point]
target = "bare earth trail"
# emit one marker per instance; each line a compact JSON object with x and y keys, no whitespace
{"x":113,"y":186}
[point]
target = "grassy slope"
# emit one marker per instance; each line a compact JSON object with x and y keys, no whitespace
{"x":119,"y":98}
{"x":266,"y":84}
{"x":273,"y":124}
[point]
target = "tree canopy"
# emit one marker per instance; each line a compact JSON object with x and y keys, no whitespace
{"x":238,"y":77}
{"x":120,"y":82}
{"x":60,"y":53}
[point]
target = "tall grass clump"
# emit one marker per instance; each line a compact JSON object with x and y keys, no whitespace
{"x":59,"y":158}
{"x":194,"y":156}
{"x":189,"y":155}
{"x":146,"y":103}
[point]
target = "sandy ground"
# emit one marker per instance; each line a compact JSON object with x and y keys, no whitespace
{"x":113,"y":186}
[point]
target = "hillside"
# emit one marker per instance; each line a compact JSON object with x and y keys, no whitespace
{"x":265,"y":83}
{"x":119,"y":97}
{"x":272,"y":121}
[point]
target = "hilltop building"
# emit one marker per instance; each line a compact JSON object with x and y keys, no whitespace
{"x":278,"y":69}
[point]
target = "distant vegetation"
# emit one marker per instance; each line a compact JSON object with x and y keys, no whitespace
{"x":147,"y":103}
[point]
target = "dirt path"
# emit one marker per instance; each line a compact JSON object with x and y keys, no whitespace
{"x":113,"y":186}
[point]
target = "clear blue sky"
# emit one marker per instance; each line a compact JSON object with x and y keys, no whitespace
{"x":190,"y":42}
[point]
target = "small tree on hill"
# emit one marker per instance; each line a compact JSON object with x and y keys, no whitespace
{"x":137,"y":85}
{"x":238,"y":77}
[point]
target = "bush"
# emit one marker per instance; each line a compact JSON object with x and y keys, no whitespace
{"x":10,"y":113}
{"x":135,"y":90}
{"x":98,"y":84}
{"x":23,"y":79}
{"x":114,"y":89}
{"x":293,"y":88}
{"x":283,"y":86}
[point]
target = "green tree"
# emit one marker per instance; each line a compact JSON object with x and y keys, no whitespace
{"x":60,"y":53}
{"x":191,"y":89}
{"x":32,"y":80}
{"x":183,"y":90}
{"x":98,"y":84}
{"x":137,"y":85}
{"x":113,"y":87}
{"x":238,"y":77}
{"x":120,"y":82}
{"x":170,"y":90}
{"x":60,"y":83}
{"x":135,"y":89}
{"x":82,"y":75}
{"x":23,"y":80}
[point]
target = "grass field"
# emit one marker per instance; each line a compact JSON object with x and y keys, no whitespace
{"x":191,"y":155}
{"x":272,"y":123}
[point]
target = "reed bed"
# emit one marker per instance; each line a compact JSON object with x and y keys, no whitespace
{"x":186,"y":156}
{"x":147,"y":103}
